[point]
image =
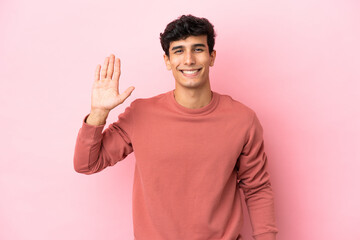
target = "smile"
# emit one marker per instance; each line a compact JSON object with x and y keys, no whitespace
{"x":190,"y":73}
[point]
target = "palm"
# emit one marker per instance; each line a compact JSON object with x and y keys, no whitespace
{"x":105,"y":96}
{"x":105,"y":93}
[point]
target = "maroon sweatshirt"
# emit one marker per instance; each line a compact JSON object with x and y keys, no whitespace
{"x":190,"y":166}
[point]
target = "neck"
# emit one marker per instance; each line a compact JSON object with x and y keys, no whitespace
{"x":193,"y":98}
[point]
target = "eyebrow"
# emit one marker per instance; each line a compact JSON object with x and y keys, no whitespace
{"x":195,"y":45}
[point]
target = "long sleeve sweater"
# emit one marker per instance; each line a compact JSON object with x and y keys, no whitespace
{"x":189,"y":169}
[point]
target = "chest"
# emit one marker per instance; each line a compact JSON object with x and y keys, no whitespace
{"x":188,"y":144}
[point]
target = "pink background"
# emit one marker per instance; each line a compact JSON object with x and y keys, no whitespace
{"x":296,"y":63}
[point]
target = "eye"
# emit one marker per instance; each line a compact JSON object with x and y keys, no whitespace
{"x":178,"y":51}
{"x":199,"y":50}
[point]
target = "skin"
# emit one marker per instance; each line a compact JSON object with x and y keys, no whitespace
{"x":191,"y":90}
{"x":190,"y":54}
{"x":105,"y":91}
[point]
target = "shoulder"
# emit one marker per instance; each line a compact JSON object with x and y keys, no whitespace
{"x":242,"y":114}
{"x":236,"y":108}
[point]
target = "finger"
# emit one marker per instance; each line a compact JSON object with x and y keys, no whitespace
{"x":122,"y":97}
{"x":97,"y":72}
{"x":104,"y":68}
{"x":117,"y":69}
{"x":111,"y":67}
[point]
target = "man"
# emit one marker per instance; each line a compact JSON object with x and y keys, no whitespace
{"x":194,"y":147}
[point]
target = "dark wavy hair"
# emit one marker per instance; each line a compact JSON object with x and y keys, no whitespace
{"x":185,"y":26}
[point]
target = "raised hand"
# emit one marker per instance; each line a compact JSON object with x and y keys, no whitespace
{"x":105,"y":91}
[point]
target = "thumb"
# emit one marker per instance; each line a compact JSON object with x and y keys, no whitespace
{"x":122,"y":97}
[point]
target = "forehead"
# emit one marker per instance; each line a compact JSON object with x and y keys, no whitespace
{"x":189,"y":41}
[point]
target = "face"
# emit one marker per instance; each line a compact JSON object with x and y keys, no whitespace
{"x":189,"y":60}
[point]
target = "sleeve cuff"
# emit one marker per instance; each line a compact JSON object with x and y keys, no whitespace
{"x":91,"y":131}
{"x":266,"y":236}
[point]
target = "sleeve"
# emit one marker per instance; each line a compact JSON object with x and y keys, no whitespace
{"x":255,"y":183}
{"x":95,"y":150}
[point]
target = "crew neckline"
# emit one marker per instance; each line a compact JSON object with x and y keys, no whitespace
{"x":194,"y":111}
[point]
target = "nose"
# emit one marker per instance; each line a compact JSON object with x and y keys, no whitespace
{"x":189,"y":58}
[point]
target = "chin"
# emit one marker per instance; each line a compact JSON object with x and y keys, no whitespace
{"x":192,"y":84}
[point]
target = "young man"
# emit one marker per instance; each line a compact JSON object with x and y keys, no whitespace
{"x":194,"y":147}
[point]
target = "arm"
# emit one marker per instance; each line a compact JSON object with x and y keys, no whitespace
{"x":255,"y":182}
{"x":95,"y":150}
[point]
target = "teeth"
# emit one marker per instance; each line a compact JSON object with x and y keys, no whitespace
{"x":190,"y":72}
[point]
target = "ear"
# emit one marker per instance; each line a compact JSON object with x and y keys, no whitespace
{"x":167,"y":62}
{"x":212,"y":58}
